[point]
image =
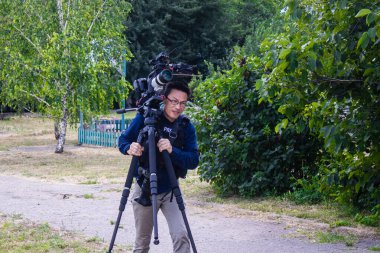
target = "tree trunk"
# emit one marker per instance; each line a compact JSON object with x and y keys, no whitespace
{"x":63,"y":123}
{"x":62,"y":132}
{"x":56,"y":129}
{"x":61,"y":126}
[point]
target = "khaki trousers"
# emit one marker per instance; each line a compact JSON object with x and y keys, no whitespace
{"x":144,"y":222}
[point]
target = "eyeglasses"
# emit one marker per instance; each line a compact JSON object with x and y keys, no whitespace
{"x":175,"y":102}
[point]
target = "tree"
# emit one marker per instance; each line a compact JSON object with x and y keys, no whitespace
{"x":59,"y":57}
{"x":257,"y":20}
{"x":326,"y":70}
{"x":194,"y":30}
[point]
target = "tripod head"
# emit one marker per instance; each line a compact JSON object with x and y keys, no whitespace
{"x":152,"y":109}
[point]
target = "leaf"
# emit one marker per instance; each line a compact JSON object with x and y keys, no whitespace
{"x":281,"y":67}
{"x":312,"y":63}
{"x":363,"y":41}
{"x":326,"y":130}
{"x":338,"y":146}
{"x":280,"y":126}
{"x":293,"y":61}
{"x":329,"y":142}
{"x":372,"y":34}
{"x":362,"y":13}
{"x":285,"y":122}
{"x":369,"y":71}
{"x":284,"y":53}
{"x":370,"y":18}
{"x":366,"y":137}
{"x":277,"y":127}
{"x":259,"y":84}
{"x":357,"y":187}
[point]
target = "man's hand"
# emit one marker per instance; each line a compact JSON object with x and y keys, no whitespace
{"x":135,"y":149}
{"x":164,"y":144}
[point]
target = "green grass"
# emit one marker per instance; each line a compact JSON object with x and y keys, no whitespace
{"x":329,"y":237}
{"x":331,"y":213}
{"x":341,"y":223}
{"x":18,"y":235}
{"x":89,"y":182}
{"x":374,"y":248}
{"x":88,"y":196}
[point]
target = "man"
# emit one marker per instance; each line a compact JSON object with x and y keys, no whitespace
{"x":183,"y":152}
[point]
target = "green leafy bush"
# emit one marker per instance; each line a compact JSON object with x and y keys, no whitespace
{"x":328,"y":64}
{"x":307,"y":108}
{"x":240,"y":150}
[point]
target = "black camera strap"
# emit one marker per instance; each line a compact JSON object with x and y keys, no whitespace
{"x":174,"y":132}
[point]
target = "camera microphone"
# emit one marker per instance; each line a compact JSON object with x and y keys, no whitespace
{"x":124,"y":110}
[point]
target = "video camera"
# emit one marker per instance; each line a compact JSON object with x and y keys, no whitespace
{"x":148,"y":92}
{"x":162,"y":72}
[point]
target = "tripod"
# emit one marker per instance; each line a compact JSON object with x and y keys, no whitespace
{"x":149,"y":132}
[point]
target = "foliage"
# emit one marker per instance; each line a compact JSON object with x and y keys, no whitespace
{"x":240,"y":150}
{"x":195,"y":31}
{"x":325,"y":69}
{"x":254,"y":21}
{"x":60,"y":56}
{"x":181,"y":28}
{"x":306,"y":191}
{"x":319,"y":78}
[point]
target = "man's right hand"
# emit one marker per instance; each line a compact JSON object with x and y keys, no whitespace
{"x":135,"y":149}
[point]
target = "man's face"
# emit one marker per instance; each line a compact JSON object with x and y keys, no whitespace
{"x":175,"y":104}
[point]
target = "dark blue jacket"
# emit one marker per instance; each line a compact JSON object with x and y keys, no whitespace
{"x":184,"y":156}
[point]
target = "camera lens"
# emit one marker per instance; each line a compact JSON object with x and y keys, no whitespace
{"x":164,"y":77}
{"x":161,"y":79}
{"x":166,"y":74}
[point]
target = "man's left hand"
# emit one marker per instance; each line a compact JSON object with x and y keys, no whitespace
{"x":164,"y":144}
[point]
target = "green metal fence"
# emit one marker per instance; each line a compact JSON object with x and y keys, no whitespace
{"x":104,"y":132}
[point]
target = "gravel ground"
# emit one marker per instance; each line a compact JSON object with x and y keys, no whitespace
{"x":215,"y":227}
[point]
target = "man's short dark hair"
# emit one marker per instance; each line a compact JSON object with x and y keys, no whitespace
{"x":177,"y":85}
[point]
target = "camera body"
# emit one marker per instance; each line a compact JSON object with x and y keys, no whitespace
{"x":162,"y":72}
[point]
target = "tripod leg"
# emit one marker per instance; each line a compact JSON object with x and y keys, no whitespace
{"x":178,"y":195}
{"x":153,"y":180}
{"x":124,"y":199}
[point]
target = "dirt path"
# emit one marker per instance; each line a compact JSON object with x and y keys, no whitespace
{"x":215,"y":228}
